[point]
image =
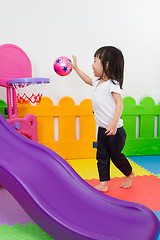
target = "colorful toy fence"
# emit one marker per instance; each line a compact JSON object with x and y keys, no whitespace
{"x":142,"y":124}
{"x":70,"y":129}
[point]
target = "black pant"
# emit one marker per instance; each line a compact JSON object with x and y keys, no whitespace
{"x":111,"y":147}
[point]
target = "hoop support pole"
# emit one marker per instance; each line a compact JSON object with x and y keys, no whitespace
{"x":14,"y":96}
{"x":9,"y":107}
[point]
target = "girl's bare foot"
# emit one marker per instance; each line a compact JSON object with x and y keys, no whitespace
{"x":128,"y":181}
{"x":102,"y":186}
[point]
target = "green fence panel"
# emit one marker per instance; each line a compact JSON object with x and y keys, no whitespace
{"x":129,"y":116}
{"x":3,"y":108}
{"x":145,"y":141}
{"x":147,"y":118}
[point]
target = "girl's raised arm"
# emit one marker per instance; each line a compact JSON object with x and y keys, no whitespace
{"x":80,"y":73}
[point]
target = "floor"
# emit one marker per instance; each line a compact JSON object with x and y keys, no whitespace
{"x":16,"y":225}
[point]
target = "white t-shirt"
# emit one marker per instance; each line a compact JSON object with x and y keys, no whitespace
{"x":103,"y":102}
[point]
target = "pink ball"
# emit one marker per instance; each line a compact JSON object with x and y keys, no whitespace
{"x":61,"y":66}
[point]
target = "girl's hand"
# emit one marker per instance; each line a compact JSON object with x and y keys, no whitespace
{"x":81,"y":74}
{"x":74,"y":63}
{"x":111,"y":128}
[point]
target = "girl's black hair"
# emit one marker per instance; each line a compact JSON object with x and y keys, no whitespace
{"x":115,"y":60}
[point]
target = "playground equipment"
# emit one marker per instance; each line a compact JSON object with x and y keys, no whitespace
{"x":16,"y":73}
{"x":21,"y":85}
{"x":60,"y":201}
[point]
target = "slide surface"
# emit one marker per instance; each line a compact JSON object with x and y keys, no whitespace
{"x":60,"y":201}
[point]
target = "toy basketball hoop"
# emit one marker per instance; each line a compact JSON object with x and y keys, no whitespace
{"x":29,"y":89}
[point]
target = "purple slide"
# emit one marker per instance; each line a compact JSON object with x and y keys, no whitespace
{"x":60,"y":201}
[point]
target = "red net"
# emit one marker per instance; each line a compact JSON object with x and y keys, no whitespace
{"x":26,"y":99}
{"x":29,"y":93}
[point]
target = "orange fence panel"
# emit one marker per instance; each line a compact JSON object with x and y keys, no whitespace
{"x":71,"y":141}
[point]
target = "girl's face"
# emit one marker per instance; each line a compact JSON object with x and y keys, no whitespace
{"x":97,"y":67}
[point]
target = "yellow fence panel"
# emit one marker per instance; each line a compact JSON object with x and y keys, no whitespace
{"x":74,"y":138}
{"x":67,"y":119}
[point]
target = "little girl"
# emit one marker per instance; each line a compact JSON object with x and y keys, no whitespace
{"x":107,"y":103}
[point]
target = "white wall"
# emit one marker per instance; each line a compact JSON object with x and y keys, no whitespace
{"x":47,"y":29}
